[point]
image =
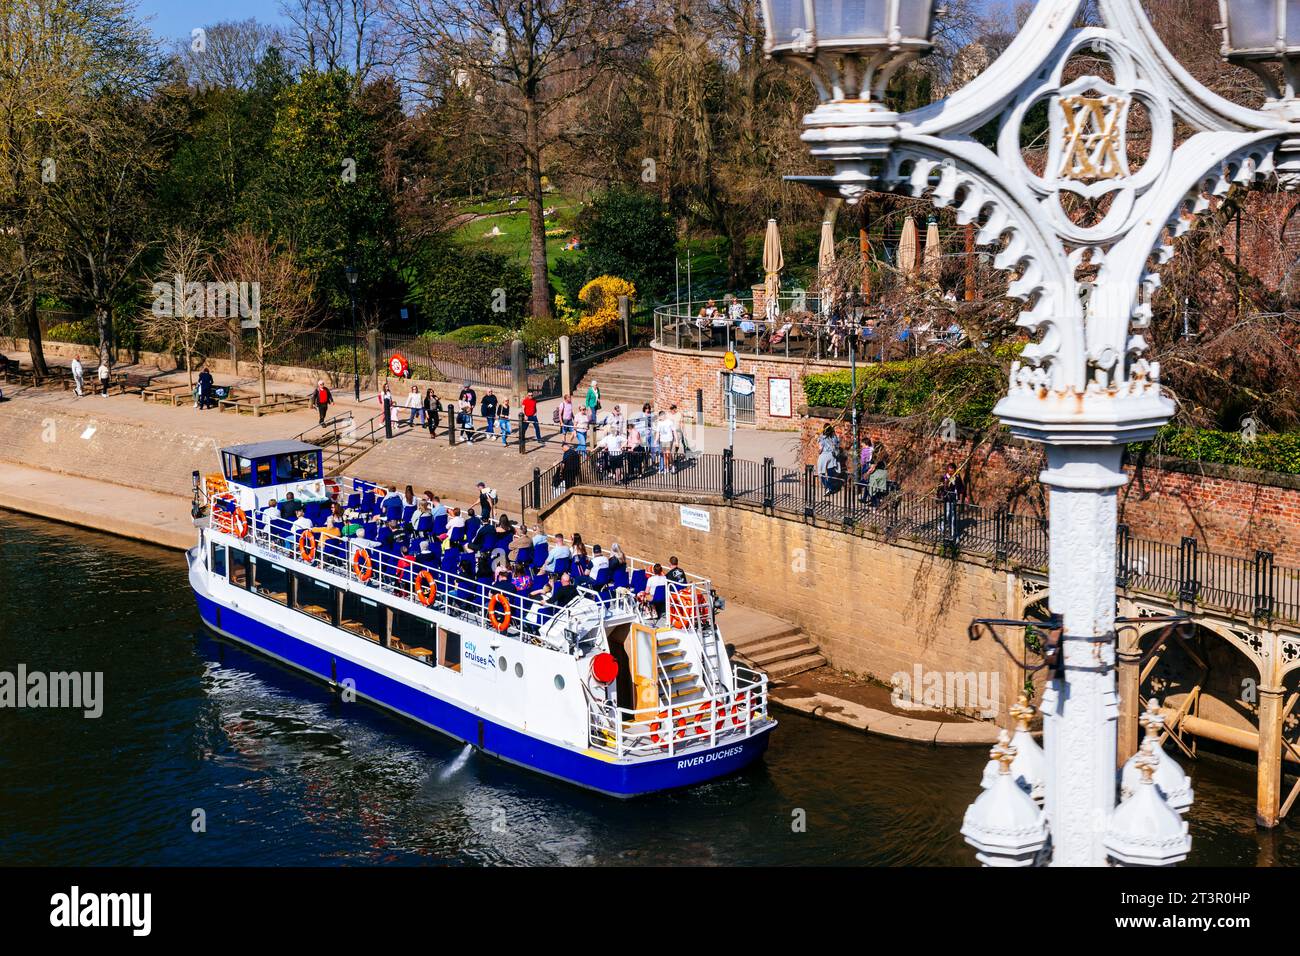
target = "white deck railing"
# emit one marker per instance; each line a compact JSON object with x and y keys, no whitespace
{"x":673,"y":729}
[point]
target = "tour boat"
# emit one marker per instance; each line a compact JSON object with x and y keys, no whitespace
{"x":618,"y":691}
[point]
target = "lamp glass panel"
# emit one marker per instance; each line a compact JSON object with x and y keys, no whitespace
{"x":839,"y":20}
{"x":914,"y":19}
{"x":1292,"y":23}
{"x":786,"y":24}
{"x":1252,"y":24}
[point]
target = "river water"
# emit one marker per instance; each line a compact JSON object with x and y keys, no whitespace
{"x":206,"y":754}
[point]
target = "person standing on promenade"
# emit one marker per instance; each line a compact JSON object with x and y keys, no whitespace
{"x":205,"y":389}
{"x":104,"y":374}
{"x":489,"y":409}
{"x":503,"y":416}
{"x":386,"y":403}
{"x":322,"y":398}
{"x":593,"y":400}
{"x":78,"y":376}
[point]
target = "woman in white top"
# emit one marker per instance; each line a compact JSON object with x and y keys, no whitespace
{"x":103,"y":379}
{"x":415,"y":402}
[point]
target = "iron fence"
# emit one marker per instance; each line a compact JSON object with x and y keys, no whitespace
{"x":1181,"y":572}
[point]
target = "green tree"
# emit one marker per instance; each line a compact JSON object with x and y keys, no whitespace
{"x":454,"y":287}
{"x":628,"y":233}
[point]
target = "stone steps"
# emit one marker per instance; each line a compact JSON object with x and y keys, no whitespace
{"x":795,"y":666}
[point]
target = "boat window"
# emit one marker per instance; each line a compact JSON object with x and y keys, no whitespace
{"x":414,"y":636}
{"x":239,"y":469}
{"x":270,"y":580}
{"x":363,"y":617}
{"x":449,"y":649}
{"x":217,"y":562}
{"x":315,"y":597}
{"x":238,"y":568}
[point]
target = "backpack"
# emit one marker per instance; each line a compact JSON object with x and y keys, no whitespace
{"x":491,"y":494}
{"x":555,"y":415}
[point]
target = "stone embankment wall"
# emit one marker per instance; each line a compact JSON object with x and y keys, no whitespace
{"x":138,"y":455}
{"x":874,"y":608}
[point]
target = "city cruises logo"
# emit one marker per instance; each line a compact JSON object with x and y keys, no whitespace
{"x":24,"y":689}
{"x":474,"y":656}
{"x":964,"y":691}
{"x":217,"y":300}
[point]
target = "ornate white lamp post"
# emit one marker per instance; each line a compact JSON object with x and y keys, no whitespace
{"x":1084,"y":387}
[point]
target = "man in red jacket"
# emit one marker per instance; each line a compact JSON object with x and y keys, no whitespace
{"x":530,"y":415}
{"x":322,"y":398}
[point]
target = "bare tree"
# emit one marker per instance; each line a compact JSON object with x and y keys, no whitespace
{"x":183,"y":315}
{"x":524,"y":60}
{"x":351,"y":35}
{"x":283,"y":292}
{"x":227,"y":54}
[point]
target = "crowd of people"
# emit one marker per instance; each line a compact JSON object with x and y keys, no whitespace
{"x":405,"y":533}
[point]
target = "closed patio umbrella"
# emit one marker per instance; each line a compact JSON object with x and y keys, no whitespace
{"x":932,"y":250}
{"x":907,"y":247}
{"x":773,"y":263}
{"x":826,"y":251}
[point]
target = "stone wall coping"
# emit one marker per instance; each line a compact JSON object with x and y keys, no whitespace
{"x":747,"y":357}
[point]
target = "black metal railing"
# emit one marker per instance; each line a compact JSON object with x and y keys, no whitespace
{"x":1183,"y":573}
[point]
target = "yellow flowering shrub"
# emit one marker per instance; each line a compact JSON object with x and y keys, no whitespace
{"x":599,"y":301}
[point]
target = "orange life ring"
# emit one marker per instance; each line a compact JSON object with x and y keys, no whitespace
{"x":239,"y":523}
{"x":499,"y":621}
{"x":307,"y":546}
{"x":361,"y":565}
{"x":654,"y":728}
{"x":426,"y":594}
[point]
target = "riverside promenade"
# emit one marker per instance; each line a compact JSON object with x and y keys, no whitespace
{"x":123,"y":466}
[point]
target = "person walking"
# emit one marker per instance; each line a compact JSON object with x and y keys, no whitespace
{"x":104,"y":374}
{"x":468,"y":397}
{"x":415,"y":405}
{"x":489,"y":409}
{"x":322,"y":398}
{"x":503,"y":417}
{"x":593,"y":400}
{"x":530,"y":415}
{"x":665,"y":436}
{"x":78,"y":376}
{"x":431,"y":410}
{"x":466,"y":421}
{"x":566,"y":420}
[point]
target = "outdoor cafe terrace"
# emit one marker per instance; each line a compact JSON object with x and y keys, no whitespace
{"x":803,"y":326}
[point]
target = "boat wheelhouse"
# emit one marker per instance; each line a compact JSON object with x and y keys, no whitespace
{"x":618,"y":690}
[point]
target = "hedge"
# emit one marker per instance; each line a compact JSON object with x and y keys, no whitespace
{"x":907,"y":386}
{"x":1277,"y":452}
{"x":76,"y":333}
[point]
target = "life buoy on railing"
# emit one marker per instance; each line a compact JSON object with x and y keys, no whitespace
{"x":655,"y":738}
{"x":361,"y":565}
{"x":738,"y":711}
{"x":332,"y":488}
{"x":498,"y":612}
{"x":239,"y":523}
{"x":307,"y":546}
{"x":426,"y":588}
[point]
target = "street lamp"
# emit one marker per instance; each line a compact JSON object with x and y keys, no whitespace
{"x":351,"y":273}
{"x":1083,"y":387}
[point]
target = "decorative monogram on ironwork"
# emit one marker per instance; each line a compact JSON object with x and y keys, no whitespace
{"x":1092,"y":146}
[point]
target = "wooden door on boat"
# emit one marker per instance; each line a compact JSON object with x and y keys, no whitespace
{"x":643,"y":658}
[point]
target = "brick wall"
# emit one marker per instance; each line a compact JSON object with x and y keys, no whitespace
{"x":1227,"y":509}
{"x":873,"y":608}
{"x":678,"y":373}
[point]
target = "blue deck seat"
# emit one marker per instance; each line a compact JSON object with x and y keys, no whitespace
{"x":603,"y":577}
{"x":440,"y":525}
{"x":408,"y":512}
{"x":449,"y":561}
{"x":639,"y":579}
{"x":659,"y":597}
{"x":540,"y":551}
{"x":471,"y":527}
{"x":424,"y":524}
{"x":354,"y":500}
{"x":561,"y":565}
{"x":619,"y":578}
